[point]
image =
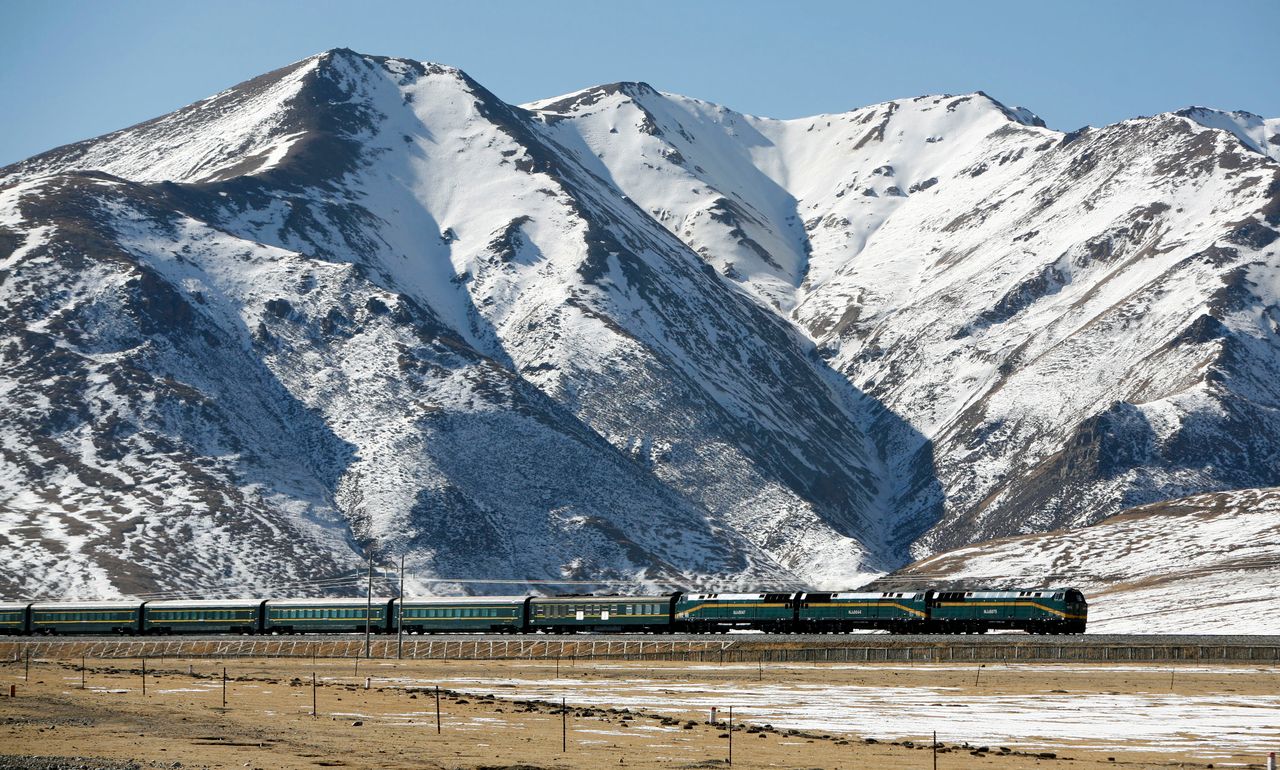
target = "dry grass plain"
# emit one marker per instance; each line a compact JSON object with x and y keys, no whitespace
{"x":268,"y":723}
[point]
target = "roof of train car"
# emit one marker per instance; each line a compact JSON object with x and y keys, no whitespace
{"x":731,"y":597}
{"x":868,"y":595}
{"x":182,"y":603}
{"x":467,"y":600}
{"x":602,"y":599}
{"x":329,"y":602}
{"x":73,"y":606}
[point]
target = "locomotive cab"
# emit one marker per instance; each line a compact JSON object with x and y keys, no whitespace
{"x":1078,"y":609}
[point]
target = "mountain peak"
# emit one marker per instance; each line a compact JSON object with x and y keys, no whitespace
{"x":1259,"y":134}
{"x":1017,"y":114}
{"x":577,"y":100}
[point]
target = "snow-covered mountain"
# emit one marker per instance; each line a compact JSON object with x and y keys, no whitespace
{"x":1072,"y":323}
{"x":618,"y":334}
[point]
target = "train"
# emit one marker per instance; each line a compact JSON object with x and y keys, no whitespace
{"x":1035,"y":611}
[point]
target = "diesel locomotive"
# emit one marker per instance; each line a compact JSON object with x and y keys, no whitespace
{"x":1036,"y":611}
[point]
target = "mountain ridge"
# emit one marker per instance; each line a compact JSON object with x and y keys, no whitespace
{"x":693,"y":302}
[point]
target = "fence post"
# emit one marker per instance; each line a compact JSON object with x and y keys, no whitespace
{"x":437,"y":709}
{"x":564,"y":727}
{"x":731,"y":735}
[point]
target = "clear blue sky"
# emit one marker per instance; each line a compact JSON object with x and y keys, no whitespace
{"x":72,"y":70}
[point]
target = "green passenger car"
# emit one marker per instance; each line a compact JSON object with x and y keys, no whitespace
{"x":14,"y":617}
{"x":226,"y":616}
{"x":720,"y":612}
{"x":501,"y":614}
{"x":344,"y":616}
{"x":86,"y":618}
{"x":1036,"y":610}
{"x":561,"y":614}
{"x":896,"y":611}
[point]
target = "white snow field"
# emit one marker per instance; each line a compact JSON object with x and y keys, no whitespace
{"x":1204,"y":727}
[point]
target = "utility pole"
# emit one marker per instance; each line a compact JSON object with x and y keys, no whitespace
{"x":368,"y":609}
{"x":400,"y":614}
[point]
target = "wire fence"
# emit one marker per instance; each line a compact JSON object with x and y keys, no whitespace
{"x":703,"y":651}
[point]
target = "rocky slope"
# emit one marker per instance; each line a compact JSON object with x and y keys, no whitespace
{"x":1208,"y":563}
{"x":361,"y":302}
{"x":1071,"y":323}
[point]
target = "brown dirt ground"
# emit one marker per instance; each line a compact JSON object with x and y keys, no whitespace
{"x":267,"y":723}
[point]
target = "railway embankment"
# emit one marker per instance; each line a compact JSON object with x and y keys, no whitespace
{"x":727,"y":649}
